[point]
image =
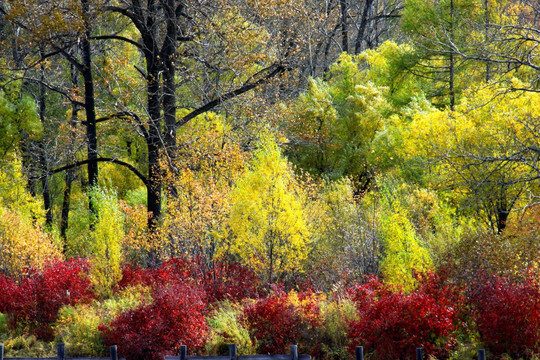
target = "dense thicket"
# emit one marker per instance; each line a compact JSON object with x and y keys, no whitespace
{"x":269,"y":172}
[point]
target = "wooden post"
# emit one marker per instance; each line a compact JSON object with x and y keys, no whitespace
{"x":114,"y":352}
{"x":419,"y":353}
{"x":1,"y":351}
{"x":481,"y":354}
{"x":359,"y":352}
{"x":294,"y":352}
{"x":183,"y":352}
{"x":60,"y":351}
{"x":232,"y":352}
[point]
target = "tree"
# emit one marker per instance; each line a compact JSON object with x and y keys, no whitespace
{"x":488,"y":150}
{"x":334,"y":123}
{"x":267,"y":228}
{"x":202,"y":180}
{"x":436,"y":28}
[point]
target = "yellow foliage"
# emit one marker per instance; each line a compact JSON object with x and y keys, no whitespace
{"x":23,"y":244}
{"x":404,"y":257}
{"x":200,"y":181}
{"x":107,"y":236}
{"x":267,"y":227}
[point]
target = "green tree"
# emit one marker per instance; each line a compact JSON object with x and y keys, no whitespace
{"x":334,"y":123}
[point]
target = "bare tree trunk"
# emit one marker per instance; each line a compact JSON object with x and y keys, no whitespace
{"x":344,"y":30}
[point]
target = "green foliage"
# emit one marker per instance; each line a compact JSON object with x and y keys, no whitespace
{"x":268,"y":231}
{"x":18,"y":116}
{"x":437,"y":29}
{"x":3,"y":326}
{"x":388,"y":66}
{"x":334,"y":122}
{"x":226,"y":328}
{"x":336,"y":317}
{"x":404,"y":255}
{"x":345,"y":244}
{"x":77,"y":326}
{"x":483,"y":153}
{"x":23,"y":243}
{"x":107,"y":235}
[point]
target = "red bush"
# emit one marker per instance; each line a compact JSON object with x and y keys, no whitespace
{"x":507,"y":314}
{"x":34,"y":300}
{"x":175,"y":317}
{"x":392,"y":323}
{"x":220,"y":280}
{"x":230,"y":281}
{"x":274,"y":322}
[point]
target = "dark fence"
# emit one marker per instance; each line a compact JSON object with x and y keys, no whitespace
{"x":359,"y":353}
{"x":293,"y":355}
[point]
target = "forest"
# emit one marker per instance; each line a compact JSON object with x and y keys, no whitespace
{"x":327,"y":173}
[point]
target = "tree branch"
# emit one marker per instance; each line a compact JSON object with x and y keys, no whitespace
{"x":232,"y":94}
{"x":117,"y":37}
{"x":112,"y":160}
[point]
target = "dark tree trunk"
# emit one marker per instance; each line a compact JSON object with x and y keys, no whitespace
{"x":44,"y":167}
{"x":66,"y":203}
{"x":452,"y":59}
{"x":169,"y":87}
{"x":344,"y":30}
{"x":363,"y":26}
{"x":89,"y":102}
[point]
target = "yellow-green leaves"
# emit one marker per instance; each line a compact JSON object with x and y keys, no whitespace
{"x":267,"y":227}
{"x":484,"y":151}
{"x":404,"y":257}
{"x":107,"y":236}
{"x":333,"y":124}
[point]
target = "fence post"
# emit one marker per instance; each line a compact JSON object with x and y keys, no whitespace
{"x":294,"y":352}
{"x":1,"y":351}
{"x":419,"y":353}
{"x":113,"y":350}
{"x":481,"y":354}
{"x":232,"y":352}
{"x":183,"y":352}
{"x":359,"y":352}
{"x":60,"y":351}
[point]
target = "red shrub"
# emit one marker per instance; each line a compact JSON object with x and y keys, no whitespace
{"x":507,"y":314}
{"x":34,"y":300}
{"x":274,"y":322}
{"x":230,"y":281}
{"x":175,"y":317}
{"x":220,"y":281}
{"x":392,"y":323}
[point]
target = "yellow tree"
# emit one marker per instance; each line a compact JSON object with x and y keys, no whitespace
{"x":267,"y":229}
{"x":200,"y":183}
{"x":486,"y":151}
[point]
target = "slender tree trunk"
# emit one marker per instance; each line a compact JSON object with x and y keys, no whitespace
{"x":363,"y":26}
{"x":89,"y":101}
{"x":452,"y":60}
{"x":70,"y":173}
{"x":344,"y":31}
{"x":486,"y":35}
{"x":169,"y":72}
{"x":43,"y":155}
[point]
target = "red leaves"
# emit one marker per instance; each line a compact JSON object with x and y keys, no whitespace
{"x":393,"y":323}
{"x":274,"y":322}
{"x":507,"y":314}
{"x":175,"y":317}
{"x":35,"y":300}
